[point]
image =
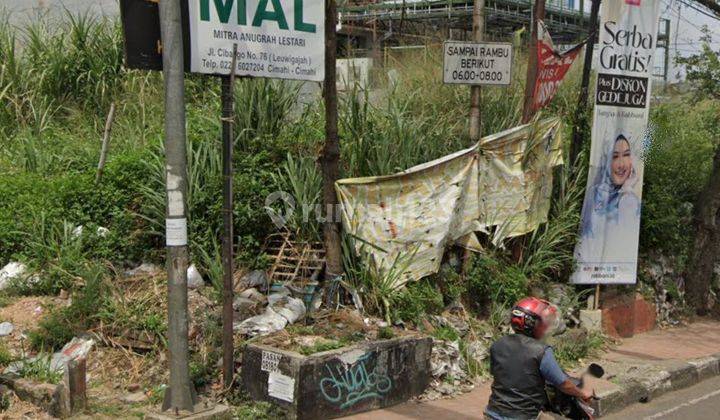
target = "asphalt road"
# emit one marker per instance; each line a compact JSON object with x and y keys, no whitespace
{"x":699,"y":402}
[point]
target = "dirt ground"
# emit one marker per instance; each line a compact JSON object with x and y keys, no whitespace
{"x":25,"y":314}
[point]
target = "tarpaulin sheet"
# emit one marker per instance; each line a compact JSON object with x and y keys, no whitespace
{"x":504,"y":181}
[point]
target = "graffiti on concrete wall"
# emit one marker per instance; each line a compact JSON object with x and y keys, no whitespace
{"x":349,"y":384}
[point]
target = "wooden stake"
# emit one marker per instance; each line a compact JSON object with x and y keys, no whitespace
{"x":105,"y":142}
{"x":538,"y":14}
{"x":597,"y":296}
{"x":76,"y":385}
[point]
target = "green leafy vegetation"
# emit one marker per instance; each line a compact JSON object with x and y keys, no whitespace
{"x":57,"y":82}
{"x":571,"y":348}
{"x":89,"y":304}
{"x":40,"y":369}
{"x":5,"y":356}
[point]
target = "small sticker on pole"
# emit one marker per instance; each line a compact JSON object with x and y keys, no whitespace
{"x":470,"y":63}
{"x":176,"y":232}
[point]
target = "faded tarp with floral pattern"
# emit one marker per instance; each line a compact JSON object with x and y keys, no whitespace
{"x":504,"y":181}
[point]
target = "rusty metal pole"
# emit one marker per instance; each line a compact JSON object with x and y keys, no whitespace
{"x":330,"y":158}
{"x":228,"y":140}
{"x":476,"y":91}
{"x":538,"y":14}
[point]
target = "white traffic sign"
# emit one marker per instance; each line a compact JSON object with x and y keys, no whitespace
{"x":282,"y":39}
{"x":469,"y":63}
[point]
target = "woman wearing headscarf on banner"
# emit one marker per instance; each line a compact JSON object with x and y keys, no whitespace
{"x":611,"y":213}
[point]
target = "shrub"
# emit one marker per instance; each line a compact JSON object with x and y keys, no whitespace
{"x":493,"y":281}
{"x":418,"y":299}
{"x":677,"y":165}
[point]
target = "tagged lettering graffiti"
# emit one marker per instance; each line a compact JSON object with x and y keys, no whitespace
{"x":354,"y":383}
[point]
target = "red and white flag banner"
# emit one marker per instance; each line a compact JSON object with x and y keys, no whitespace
{"x":552,"y":67}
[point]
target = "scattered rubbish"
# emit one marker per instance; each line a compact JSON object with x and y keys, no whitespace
{"x":144,"y":269}
{"x":477,"y":351}
{"x":448,"y":369}
{"x":6,"y":328}
{"x":77,"y":232}
{"x":449,"y":320}
{"x":194,"y":279}
{"x":667,"y":286}
{"x":266,"y":323}
{"x":282,"y":309}
{"x":80,"y":229}
{"x":254,"y":279}
{"x":253,"y":295}
{"x":12,"y":271}
{"x":290,"y":308}
{"x":446,"y":360}
{"x":244,"y":305}
{"x":77,"y":348}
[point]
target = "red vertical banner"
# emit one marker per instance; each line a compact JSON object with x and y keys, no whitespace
{"x":552,"y":67}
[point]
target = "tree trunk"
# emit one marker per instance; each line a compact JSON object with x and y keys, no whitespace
{"x":698,"y":277}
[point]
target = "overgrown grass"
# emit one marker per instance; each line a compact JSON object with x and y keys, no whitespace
{"x":57,"y":80}
{"x":89,"y":304}
{"x":40,"y":369}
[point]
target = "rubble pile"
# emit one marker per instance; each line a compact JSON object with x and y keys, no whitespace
{"x":455,"y":363}
{"x":659,"y":273}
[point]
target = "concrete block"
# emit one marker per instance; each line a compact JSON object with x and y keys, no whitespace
{"x":706,"y":367}
{"x":618,"y":398}
{"x":682,"y":375}
{"x":591,"y":319}
{"x":49,"y":397}
{"x":341,"y":382}
{"x":625,"y":316}
{"x":654,"y":384}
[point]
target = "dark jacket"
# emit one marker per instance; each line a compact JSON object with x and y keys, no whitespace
{"x":518,"y":389}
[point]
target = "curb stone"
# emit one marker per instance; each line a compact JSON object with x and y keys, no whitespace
{"x":671,"y":377}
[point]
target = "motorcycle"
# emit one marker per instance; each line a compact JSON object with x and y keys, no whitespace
{"x":572,"y":407}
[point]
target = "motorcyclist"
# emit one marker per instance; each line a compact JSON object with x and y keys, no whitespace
{"x":521,"y":365}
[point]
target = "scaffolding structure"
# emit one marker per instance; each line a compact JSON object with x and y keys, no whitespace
{"x":396,"y":22}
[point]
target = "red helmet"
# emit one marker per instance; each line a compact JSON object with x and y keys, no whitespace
{"x":533,"y":317}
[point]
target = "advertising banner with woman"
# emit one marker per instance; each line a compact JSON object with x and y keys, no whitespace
{"x":607,"y":250}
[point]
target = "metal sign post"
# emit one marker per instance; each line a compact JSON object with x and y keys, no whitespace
{"x":228,"y":140}
{"x":224,"y":39}
{"x":580,"y":120}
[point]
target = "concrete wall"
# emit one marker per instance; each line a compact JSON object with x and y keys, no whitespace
{"x":339,"y":382}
